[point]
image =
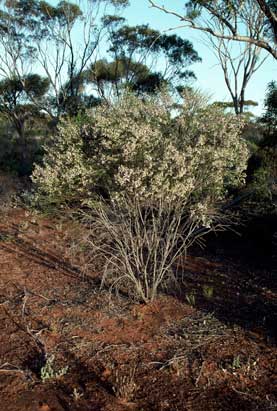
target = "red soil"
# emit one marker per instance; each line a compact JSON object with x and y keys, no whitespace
{"x":167,"y":355}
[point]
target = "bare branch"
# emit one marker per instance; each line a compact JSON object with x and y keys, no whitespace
{"x":234,"y":36}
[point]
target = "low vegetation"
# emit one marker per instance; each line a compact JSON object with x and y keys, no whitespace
{"x":164,"y":175}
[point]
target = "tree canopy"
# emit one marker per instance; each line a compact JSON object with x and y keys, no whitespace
{"x":134,"y":52}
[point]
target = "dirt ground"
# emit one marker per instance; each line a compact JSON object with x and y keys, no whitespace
{"x":67,"y":346}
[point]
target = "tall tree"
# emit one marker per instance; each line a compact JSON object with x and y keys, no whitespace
{"x":61,"y":40}
{"x":145,"y":45}
{"x":17,"y":105}
{"x":232,"y":14}
{"x":143,"y":59}
{"x":109,"y":79}
{"x":238,"y":70}
{"x":239,"y":62}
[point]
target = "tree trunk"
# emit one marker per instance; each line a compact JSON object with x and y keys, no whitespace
{"x":241,"y":101}
{"x":236,"y":105}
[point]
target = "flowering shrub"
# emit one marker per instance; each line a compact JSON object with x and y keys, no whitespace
{"x":137,"y":147}
{"x":65,"y":173}
{"x":164,"y":168}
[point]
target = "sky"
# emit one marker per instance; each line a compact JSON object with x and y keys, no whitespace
{"x":209,"y":74}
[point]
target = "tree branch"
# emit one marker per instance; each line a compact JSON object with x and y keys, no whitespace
{"x":262,"y":43}
{"x":272,"y":17}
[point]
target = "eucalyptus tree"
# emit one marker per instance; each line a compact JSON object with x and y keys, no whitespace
{"x":244,"y":22}
{"x":110,"y":78}
{"x":232,"y":15}
{"x":60,"y":40}
{"x":239,"y":62}
{"x":142,"y":59}
{"x":16,"y":105}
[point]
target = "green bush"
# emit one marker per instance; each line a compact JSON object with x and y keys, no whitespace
{"x":264,"y":181}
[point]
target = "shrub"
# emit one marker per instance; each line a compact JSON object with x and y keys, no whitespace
{"x":264,"y":183}
{"x":138,"y":146}
{"x":139,"y":242}
{"x":136,"y":242}
{"x":48,"y":372}
{"x":66,"y":173}
{"x":165,"y":175}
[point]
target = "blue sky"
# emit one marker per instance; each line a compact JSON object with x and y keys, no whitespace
{"x":209,"y":74}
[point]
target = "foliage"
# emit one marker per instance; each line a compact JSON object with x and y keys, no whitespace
{"x":230,"y":12}
{"x":48,"y":372}
{"x":16,"y":99}
{"x":244,"y":105}
{"x":208,"y":291}
{"x":40,"y":35}
{"x":134,"y":51}
{"x":147,"y":43}
{"x":269,"y":7}
{"x":265,"y":177}
{"x":37,"y":34}
{"x":11,"y":148}
{"x":113,"y":77}
{"x":253,"y":133}
{"x":165,"y":171}
{"x":270,"y":103}
{"x":262,"y":164}
{"x":137,"y":147}
{"x":67,"y":174}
